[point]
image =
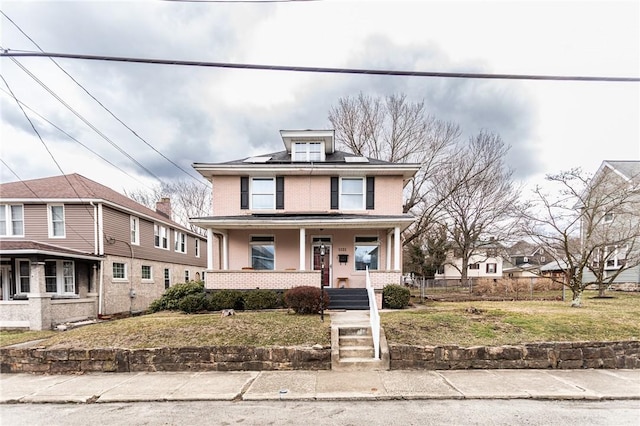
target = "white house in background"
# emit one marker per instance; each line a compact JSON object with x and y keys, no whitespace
{"x":486,"y":263}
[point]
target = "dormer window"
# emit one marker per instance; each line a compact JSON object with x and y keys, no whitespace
{"x":307,"y":151}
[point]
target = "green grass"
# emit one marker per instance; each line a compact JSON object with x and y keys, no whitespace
{"x":170,"y":329}
{"x":499,"y":323}
{"x":435,"y":323}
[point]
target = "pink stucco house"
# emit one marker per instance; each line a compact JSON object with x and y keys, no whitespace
{"x":273,"y":213}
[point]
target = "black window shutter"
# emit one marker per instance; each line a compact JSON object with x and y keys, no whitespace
{"x":279,"y":192}
{"x":371,"y":190}
{"x":244,"y":192}
{"x":334,"y":193}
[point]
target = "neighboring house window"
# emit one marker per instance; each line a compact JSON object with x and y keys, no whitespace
{"x":180,"y":242}
{"x":525,"y":259}
{"x":367,"y":250}
{"x":608,"y":218}
{"x":491,"y":268}
{"x":146,"y":272}
{"x":160,"y":236}
{"x":56,"y":221}
{"x":307,"y":151}
{"x":440,"y":270}
{"x":197,"y":247}
{"x":474,"y":266}
{"x":615,"y":257}
{"x":263,"y":252}
{"x":119,"y":271}
{"x":167,"y":278}
{"x":135,"y":230}
{"x":11,"y":220}
{"x":353,"y":193}
{"x":186,"y":276}
{"x":59,"y":276}
{"x":24,"y":276}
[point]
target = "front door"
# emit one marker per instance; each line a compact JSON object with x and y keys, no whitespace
{"x":317,"y":263}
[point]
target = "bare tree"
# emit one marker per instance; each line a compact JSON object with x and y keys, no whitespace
{"x":478,"y":199}
{"x":591,"y":224}
{"x":188,"y":199}
{"x":397,"y":130}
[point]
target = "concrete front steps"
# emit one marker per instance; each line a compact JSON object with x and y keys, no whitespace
{"x":352,"y":345}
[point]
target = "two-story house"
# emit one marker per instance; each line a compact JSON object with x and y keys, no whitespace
{"x":486,"y":261}
{"x":72,"y":249}
{"x":618,"y":260}
{"x":275,"y":214}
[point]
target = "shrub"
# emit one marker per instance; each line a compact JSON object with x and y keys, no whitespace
{"x":226,"y":299}
{"x":170,"y":300}
{"x":395,"y":296}
{"x":261,"y":299}
{"x":305,"y":299}
{"x":192,"y":303}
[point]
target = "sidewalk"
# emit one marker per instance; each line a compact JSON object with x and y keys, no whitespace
{"x":321,"y":385}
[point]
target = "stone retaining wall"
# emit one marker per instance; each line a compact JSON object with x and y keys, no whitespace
{"x":227,"y":358}
{"x":238,"y":358}
{"x":569,"y":355}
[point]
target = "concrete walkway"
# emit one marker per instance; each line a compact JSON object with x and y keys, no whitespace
{"x":321,"y":385}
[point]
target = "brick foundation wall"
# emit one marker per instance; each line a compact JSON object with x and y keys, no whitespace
{"x":243,"y":280}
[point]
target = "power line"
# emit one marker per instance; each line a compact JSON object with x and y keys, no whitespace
{"x":398,"y":73}
{"x":102,"y":105}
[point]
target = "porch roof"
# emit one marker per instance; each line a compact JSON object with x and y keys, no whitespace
{"x":304,"y":220}
{"x":28,"y":247}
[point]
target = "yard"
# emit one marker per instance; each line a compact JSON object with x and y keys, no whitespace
{"x":434,"y":323}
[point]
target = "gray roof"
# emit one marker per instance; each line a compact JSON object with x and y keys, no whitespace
{"x":284,"y":157}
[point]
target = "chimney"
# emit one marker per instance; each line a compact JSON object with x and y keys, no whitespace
{"x":164,"y":207}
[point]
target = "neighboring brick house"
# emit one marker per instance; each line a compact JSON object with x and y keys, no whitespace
{"x":273,"y":213}
{"x":71,"y":249}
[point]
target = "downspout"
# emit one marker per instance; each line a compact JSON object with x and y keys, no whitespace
{"x":100,"y":288}
{"x":99,"y":250}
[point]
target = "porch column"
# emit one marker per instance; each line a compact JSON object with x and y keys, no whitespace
{"x":39,"y":300}
{"x":396,"y":249}
{"x":388,"y":266}
{"x":303,"y":238}
{"x":225,"y":251}
{"x":209,"y":248}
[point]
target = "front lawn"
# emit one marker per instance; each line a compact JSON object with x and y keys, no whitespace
{"x":502,"y":323}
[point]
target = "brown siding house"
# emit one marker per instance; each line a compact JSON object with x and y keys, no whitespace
{"x":72,"y":249}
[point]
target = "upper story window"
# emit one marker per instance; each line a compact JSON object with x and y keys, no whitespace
{"x":56,"y":221}
{"x":262,"y":193}
{"x":491,"y":268}
{"x":11,"y":220}
{"x":160,"y":236}
{"x":180,"y":242}
{"x":197,"y":247}
{"x":474,"y":266}
{"x":307,"y":151}
{"x":353,"y":193}
{"x":135,"y":230}
{"x":608,"y":218}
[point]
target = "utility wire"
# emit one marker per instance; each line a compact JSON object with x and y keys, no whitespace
{"x":103,"y":106}
{"x":466,"y":75}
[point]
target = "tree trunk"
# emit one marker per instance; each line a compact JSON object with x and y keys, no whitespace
{"x":576,"y":300}
{"x":601,"y":289}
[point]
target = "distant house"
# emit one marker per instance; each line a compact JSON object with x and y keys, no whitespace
{"x":523,"y":252}
{"x":274,"y":214}
{"x":72,"y":249}
{"x":615,"y":256}
{"x":485,"y":262}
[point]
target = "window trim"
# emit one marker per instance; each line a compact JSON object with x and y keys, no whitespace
{"x":252,"y":206}
{"x":51,"y":222}
{"x":125,"y":270}
{"x":9,"y":220}
{"x":160,"y":236}
{"x":304,"y":156}
{"x":362,"y":194}
{"x":266,"y":239}
{"x":60,"y":282}
{"x":367,"y":241}
{"x":495,"y":268}
{"x":134,"y":225}
{"x":180,"y":242}
{"x":142,"y":277}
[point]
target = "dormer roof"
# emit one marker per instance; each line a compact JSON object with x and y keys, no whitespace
{"x":327,"y":137}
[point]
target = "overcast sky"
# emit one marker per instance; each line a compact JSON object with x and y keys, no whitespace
{"x":213,"y":115}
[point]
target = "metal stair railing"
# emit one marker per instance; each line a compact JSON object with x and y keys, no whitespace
{"x":374,"y":316}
